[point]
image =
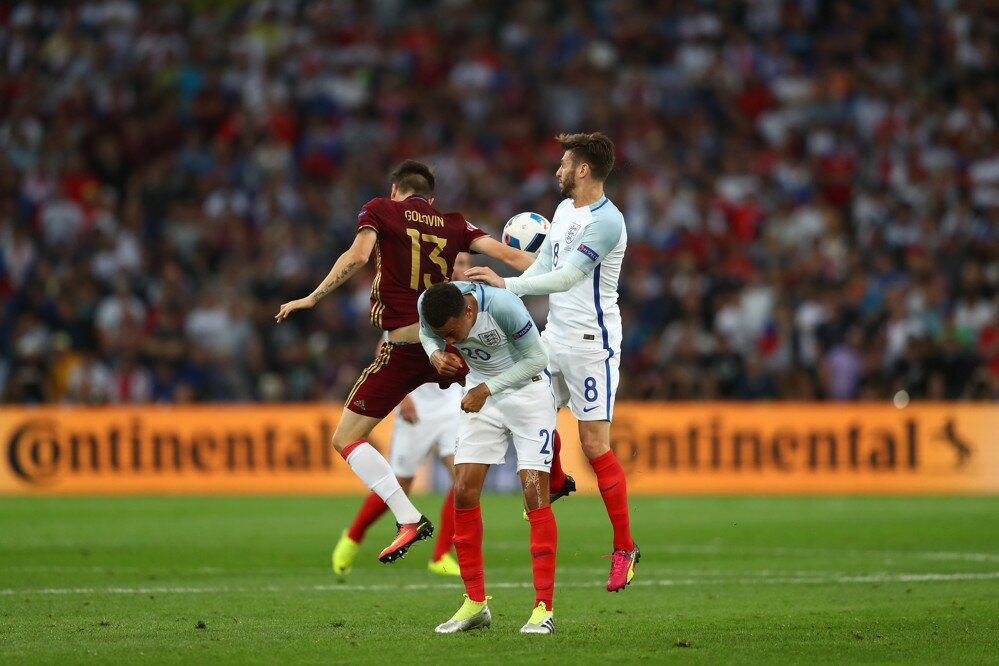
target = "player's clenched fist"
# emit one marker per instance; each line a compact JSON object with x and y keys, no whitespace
{"x":475,"y":398}
{"x":291,"y":306}
{"x":446,"y":363}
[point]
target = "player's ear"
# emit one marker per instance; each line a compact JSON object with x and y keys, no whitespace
{"x":394,"y":192}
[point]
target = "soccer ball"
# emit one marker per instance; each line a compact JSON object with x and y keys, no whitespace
{"x":526,"y":231}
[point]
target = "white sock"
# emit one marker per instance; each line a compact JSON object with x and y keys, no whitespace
{"x":374,"y":470}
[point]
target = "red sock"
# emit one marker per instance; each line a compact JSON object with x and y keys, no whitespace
{"x":370,"y":511}
{"x":445,"y":530}
{"x":556,"y":476}
{"x":468,"y":543}
{"x":544,"y":542}
{"x":614,"y":490}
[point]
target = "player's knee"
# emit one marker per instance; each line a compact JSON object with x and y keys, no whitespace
{"x":342,"y":439}
{"x":594,"y":445}
{"x":534,"y":499}
{"x":466,"y":495}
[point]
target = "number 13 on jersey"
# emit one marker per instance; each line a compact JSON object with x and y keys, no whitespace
{"x":435,"y":256}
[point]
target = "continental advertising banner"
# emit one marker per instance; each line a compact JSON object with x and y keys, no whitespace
{"x":676,"y":448}
{"x":808,"y":448}
{"x":196,"y":450}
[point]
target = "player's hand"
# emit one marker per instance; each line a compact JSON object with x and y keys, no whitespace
{"x":291,"y":306}
{"x":407,"y":410}
{"x":475,"y":398}
{"x":485,"y":275}
{"x":446,"y":363}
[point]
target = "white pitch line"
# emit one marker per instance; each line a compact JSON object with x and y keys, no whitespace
{"x":876,"y":577}
{"x":830,"y":552}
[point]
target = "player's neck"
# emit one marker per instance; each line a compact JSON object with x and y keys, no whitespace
{"x":587,"y":195}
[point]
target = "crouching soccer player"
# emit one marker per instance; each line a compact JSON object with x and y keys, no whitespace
{"x":510,"y":396}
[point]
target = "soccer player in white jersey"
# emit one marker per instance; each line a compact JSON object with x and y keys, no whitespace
{"x":424,"y":422}
{"x":509,"y":396}
{"x":579,"y":265}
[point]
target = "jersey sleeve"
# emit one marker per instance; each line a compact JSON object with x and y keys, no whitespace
{"x":598,"y":239}
{"x":469,"y":235}
{"x":521,"y":373}
{"x":514,"y":320}
{"x":543,"y":263}
{"x":369,"y":218}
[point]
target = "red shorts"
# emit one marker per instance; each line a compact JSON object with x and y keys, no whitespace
{"x":396,"y":372}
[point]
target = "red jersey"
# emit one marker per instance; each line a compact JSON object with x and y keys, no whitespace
{"x":416,"y":247}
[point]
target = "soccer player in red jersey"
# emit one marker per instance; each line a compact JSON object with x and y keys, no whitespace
{"x":415,"y":246}
{"x":424,"y":422}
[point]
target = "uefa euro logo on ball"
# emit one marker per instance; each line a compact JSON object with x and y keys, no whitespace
{"x":526,"y":231}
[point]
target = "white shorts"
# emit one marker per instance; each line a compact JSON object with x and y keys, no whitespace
{"x":527,"y":416}
{"x":584,"y":378}
{"x":436,"y":429}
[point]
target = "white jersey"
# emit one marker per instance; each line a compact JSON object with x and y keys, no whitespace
{"x":503,"y":332}
{"x":433,"y":403}
{"x":501,"y":343}
{"x":593,"y":239}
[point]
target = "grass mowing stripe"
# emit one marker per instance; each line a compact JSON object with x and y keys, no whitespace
{"x":878,"y":577}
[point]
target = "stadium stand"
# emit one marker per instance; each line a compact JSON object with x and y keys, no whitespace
{"x":811,"y":188}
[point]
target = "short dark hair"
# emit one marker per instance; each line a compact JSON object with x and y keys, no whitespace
{"x":595,"y":149}
{"x":441,"y":302}
{"x":415,"y":177}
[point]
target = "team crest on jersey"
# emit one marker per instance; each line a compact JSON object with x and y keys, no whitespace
{"x":490,"y":338}
{"x":571,"y":233}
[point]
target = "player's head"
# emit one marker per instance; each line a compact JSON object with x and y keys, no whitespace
{"x":586,"y":157}
{"x":412,"y":177}
{"x":447,"y":312}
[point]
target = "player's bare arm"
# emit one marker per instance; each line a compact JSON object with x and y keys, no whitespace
{"x":491,"y":247}
{"x":346,"y":265}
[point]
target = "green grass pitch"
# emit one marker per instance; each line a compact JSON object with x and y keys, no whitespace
{"x":722,"y":580}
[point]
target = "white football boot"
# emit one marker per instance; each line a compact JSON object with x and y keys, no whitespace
{"x":471,"y":615}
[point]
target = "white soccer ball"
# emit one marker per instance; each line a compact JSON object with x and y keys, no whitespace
{"x":526,"y":231}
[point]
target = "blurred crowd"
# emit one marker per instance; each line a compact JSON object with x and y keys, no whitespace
{"x":811,"y":187}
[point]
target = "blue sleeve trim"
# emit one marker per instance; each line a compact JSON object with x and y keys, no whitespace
{"x":600,"y":311}
{"x":605,"y":335}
